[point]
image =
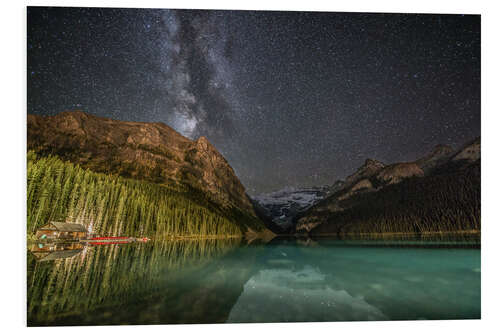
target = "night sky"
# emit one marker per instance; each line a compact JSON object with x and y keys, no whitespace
{"x":289,"y":98}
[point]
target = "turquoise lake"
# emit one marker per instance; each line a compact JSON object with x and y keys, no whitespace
{"x":230,"y":281}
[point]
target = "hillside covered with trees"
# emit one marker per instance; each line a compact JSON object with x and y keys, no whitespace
{"x":440,"y":192}
{"x":442,"y":202}
{"x":113,"y":205}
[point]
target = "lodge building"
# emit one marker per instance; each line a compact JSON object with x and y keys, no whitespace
{"x":61,"y":230}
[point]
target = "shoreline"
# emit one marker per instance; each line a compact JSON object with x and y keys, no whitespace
{"x":400,"y":234}
{"x":336,"y":235}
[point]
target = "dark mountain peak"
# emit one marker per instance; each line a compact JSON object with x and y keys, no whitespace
{"x":438,"y":155}
{"x":75,"y":113}
{"x":470,"y":152}
{"x":205,"y":145}
{"x":441,"y":149}
{"x":371,"y":162}
{"x":203,"y":140}
{"x":368,"y":169}
{"x":395,"y":173}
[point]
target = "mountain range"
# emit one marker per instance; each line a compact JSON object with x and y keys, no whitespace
{"x":439,"y":192}
{"x":329,"y":209}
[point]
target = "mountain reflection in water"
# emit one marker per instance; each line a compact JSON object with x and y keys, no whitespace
{"x":217,"y":281}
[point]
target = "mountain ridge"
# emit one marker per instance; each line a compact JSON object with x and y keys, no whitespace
{"x":147,"y":151}
{"x":373,"y":177}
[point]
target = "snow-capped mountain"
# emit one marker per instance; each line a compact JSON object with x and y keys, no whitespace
{"x":283,"y":205}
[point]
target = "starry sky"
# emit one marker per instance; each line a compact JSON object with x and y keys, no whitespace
{"x":289,"y":98}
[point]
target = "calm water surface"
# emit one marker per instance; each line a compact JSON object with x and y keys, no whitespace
{"x":227,"y":281}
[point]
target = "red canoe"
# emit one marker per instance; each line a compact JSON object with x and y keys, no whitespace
{"x":115,"y":240}
{"x":109,"y":238}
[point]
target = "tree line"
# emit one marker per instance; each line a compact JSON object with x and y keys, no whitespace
{"x":445,"y":202}
{"x":113,"y":205}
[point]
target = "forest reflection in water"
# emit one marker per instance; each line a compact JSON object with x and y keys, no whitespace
{"x":227,"y":280}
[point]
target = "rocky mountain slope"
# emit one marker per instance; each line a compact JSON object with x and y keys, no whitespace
{"x":368,"y":169}
{"x":146,"y":151}
{"x":438,"y":156}
{"x":471,"y":152}
{"x":439,"y":191}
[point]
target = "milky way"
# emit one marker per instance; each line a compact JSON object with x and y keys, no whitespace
{"x":289,"y":98}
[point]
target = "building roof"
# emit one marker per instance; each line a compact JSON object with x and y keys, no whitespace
{"x":61,"y":226}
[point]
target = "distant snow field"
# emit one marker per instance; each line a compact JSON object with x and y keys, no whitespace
{"x":285,"y":204}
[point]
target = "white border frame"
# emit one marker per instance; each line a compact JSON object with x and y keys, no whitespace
{"x":13,"y":138}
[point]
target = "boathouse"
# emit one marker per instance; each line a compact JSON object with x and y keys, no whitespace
{"x":61,"y":230}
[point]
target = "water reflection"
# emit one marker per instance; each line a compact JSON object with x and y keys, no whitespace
{"x":106,"y":284}
{"x":213,"y":281}
{"x":285,"y":295}
{"x":54,"y":251}
{"x":344,"y":280}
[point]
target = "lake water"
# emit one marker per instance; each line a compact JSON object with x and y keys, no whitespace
{"x":229,"y":281}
